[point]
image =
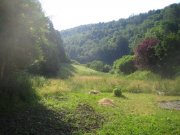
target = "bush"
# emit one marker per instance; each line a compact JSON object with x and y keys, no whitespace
{"x":160,"y":54}
{"x":39,"y":81}
{"x":145,"y":53}
{"x":96,"y":65}
{"x":46,"y":68}
{"x":35,"y":68}
{"x":106,"y":68}
{"x":125,"y":65}
{"x":75,"y":62}
{"x":117,"y":92}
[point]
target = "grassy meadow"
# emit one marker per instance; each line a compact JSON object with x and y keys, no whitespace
{"x":65,"y":106}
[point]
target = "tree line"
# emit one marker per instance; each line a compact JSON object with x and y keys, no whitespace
{"x":110,"y":41}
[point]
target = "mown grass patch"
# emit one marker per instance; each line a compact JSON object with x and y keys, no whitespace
{"x":136,"y":114}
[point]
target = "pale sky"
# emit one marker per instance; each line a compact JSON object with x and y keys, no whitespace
{"x":66,"y":14}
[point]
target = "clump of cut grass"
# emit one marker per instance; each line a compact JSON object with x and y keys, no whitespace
{"x":117,"y":92}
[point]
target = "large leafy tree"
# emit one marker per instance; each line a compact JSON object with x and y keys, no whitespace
{"x":159,"y":55}
{"x":27,"y":39}
{"x":53,"y":51}
{"x":22,"y":25}
{"x":145,"y":53}
{"x":26,"y":35}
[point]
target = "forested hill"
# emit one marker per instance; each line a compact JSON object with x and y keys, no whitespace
{"x":110,"y":41}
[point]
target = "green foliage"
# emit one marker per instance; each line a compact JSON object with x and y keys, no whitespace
{"x":106,"y":68}
{"x":27,"y":35}
{"x":168,"y":55}
{"x":21,"y":29}
{"x":74,"y":62}
{"x":145,"y":54}
{"x":159,"y":55}
{"x":53,"y":51}
{"x":125,"y":65}
{"x":109,"y":41}
{"x":99,"y":66}
{"x":66,"y":70}
{"x":16,"y":91}
{"x":96,"y":65}
{"x":165,"y":87}
{"x":87,"y":47}
{"x":27,"y":39}
{"x":39,"y":81}
{"x":143,"y":75}
{"x":117,"y":92}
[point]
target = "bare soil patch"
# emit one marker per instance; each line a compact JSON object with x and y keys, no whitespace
{"x":172,"y":105}
{"x":106,"y":102}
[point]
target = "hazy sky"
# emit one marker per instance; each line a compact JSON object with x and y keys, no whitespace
{"x":70,"y":13}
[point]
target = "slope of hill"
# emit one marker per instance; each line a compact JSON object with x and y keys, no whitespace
{"x":110,"y":41}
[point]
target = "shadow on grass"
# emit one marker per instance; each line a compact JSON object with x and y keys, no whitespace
{"x":36,"y":120}
{"x":123,"y":96}
{"x":22,"y":114}
{"x":66,"y":71}
{"x":39,"y":120}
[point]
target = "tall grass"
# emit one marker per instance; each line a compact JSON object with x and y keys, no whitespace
{"x":168,"y":87}
{"x":139,"y":82}
{"x":16,"y":91}
{"x":23,"y":88}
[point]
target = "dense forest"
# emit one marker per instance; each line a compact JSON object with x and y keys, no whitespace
{"x":28,"y":44}
{"x":109,"y":41}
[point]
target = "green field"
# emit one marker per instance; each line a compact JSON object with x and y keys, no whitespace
{"x":65,"y":106}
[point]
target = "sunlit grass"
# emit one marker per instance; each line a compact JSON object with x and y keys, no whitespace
{"x":85,"y":79}
{"x":137,"y":112}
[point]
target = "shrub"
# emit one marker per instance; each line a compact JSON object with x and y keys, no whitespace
{"x":44,"y":67}
{"x":117,"y":92}
{"x":75,"y":62}
{"x":35,"y":68}
{"x":145,"y":53}
{"x":125,"y":65}
{"x":159,"y":55}
{"x":106,"y":68}
{"x":96,"y":65}
{"x":39,"y":81}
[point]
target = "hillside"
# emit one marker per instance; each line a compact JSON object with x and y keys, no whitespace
{"x":110,"y":41}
